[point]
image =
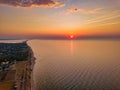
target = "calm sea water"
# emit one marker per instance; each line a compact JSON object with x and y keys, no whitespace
{"x":76,"y":64}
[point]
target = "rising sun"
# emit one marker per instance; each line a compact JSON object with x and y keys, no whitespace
{"x":71,"y":36}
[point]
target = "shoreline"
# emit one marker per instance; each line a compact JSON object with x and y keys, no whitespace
{"x":32,"y":63}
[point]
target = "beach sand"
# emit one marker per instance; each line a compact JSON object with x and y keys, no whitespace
{"x":24,"y":72}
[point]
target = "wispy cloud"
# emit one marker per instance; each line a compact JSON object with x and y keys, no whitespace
{"x":31,"y":3}
{"x":106,"y":17}
{"x":83,"y":11}
{"x":58,"y":4}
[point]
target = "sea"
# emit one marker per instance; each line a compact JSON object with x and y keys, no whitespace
{"x":76,"y":64}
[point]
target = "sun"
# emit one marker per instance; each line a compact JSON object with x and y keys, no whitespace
{"x":71,"y":36}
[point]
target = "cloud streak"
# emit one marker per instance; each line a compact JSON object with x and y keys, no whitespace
{"x":31,"y":3}
{"x":111,"y":16}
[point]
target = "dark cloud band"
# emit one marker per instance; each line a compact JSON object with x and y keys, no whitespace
{"x":28,"y":3}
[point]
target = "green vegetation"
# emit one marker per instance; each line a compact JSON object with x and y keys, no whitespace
{"x":13,"y":52}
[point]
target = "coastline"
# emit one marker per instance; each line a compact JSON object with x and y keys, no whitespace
{"x":32,"y":62}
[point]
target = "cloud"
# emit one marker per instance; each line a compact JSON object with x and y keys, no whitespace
{"x":31,"y":3}
{"x":83,"y":11}
{"x":109,"y":16}
{"x":58,"y":4}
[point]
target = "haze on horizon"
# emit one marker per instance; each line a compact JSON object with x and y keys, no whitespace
{"x":52,"y":18}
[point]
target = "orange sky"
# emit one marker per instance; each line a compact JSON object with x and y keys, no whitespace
{"x":80,"y":17}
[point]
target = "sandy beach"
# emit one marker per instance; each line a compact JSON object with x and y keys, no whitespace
{"x":32,"y":60}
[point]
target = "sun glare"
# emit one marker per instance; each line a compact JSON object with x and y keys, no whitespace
{"x":71,"y":36}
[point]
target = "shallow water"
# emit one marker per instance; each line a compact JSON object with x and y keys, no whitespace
{"x":76,"y":64}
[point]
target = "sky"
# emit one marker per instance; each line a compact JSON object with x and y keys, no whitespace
{"x":44,"y":18}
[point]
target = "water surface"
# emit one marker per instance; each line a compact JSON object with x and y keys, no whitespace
{"x":76,"y":64}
